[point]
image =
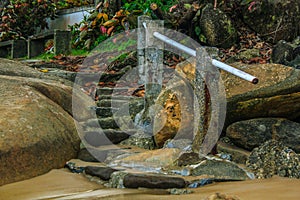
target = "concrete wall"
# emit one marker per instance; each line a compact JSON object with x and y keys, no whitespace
{"x":69,"y":17}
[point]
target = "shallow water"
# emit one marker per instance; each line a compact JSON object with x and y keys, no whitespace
{"x":61,"y":184}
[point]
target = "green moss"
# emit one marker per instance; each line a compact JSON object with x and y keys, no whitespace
{"x":49,"y":56}
{"x":230,"y":27}
{"x":79,"y":52}
{"x":45,"y":56}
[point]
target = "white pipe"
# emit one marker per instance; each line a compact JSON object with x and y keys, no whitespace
{"x":235,"y":71}
{"x":216,"y":63}
{"x":175,"y":44}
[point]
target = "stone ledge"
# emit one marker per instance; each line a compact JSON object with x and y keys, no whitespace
{"x":13,"y":49}
{"x":62,"y":45}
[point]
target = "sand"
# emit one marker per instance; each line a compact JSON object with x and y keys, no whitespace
{"x":61,"y":184}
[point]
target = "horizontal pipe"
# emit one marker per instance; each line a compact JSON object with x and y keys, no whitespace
{"x":235,"y":71}
{"x":216,"y":63}
{"x":173,"y":43}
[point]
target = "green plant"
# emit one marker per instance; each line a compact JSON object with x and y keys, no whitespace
{"x":89,"y":32}
{"x":145,"y":5}
{"x":97,"y":27}
{"x":62,"y":4}
{"x":21,"y":18}
{"x":101,"y":24}
{"x":47,"y":56}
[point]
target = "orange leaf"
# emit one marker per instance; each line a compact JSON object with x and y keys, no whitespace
{"x":111,"y":22}
{"x":102,"y":15}
{"x":110,"y":30}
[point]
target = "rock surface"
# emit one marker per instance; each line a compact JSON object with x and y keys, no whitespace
{"x":101,"y":172}
{"x":86,"y":156}
{"x":153,"y":160}
{"x":273,"y":158}
{"x":37,"y":132}
{"x":252,"y":133}
{"x":222,"y":196}
{"x":238,"y":155}
{"x":278,"y":19}
{"x":217,"y":27}
{"x":141,"y":140}
{"x":276,"y":95}
{"x":278,"y":85}
{"x":220,"y":170}
{"x":287,"y":53}
{"x":153,"y":181}
{"x":105,"y":137}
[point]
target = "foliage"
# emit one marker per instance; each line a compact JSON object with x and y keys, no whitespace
{"x":144,"y":5}
{"x":21,"y":18}
{"x":49,"y":56}
{"x":97,"y":27}
{"x":88,"y":32}
{"x":63,"y":4}
{"x":101,"y":24}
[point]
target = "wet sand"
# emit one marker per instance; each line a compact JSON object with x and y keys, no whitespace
{"x":61,"y":184}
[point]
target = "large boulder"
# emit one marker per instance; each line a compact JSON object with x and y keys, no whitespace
{"x":287,"y":53}
{"x":276,"y":95}
{"x":273,"y":158}
{"x":37,"y":132}
{"x":63,"y":92}
{"x":220,"y":170}
{"x":217,"y":27}
{"x":252,"y":133}
{"x":276,"y":19}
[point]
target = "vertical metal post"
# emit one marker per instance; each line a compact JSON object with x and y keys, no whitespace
{"x":141,"y":45}
{"x":150,"y":65}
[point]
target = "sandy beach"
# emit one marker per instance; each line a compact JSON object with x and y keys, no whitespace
{"x":61,"y":184}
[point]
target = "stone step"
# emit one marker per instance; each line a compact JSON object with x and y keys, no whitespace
{"x":100,"y":137}
{"x":125,"y":122}
{"x":115,"y":103}
{"x":119,"y":97}
{"x":105,"y":112}
{"x":130,"y":107}
{"x":104,"y":123}
{"x":110,"y":77}
{"x":108,"y":91}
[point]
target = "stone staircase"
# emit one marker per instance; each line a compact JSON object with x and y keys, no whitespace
{"x":105,"y":129}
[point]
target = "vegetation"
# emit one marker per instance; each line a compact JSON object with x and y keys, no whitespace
{"x":48,"y":56}
{"x":145,"y":5}
{"x":102,"y":24}
{"x":21,"y":18}
{"x":63,"y":4}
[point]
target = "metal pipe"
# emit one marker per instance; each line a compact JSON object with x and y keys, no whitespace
{"x":175,"y":44}
{"x":235,"y":71}
{"x":216,"y":63}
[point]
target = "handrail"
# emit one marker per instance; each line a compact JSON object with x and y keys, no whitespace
{"x":216,"y":63}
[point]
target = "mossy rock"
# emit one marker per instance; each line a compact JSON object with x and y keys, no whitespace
{"x":217,"y":27}
{"x":276,"y":19}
